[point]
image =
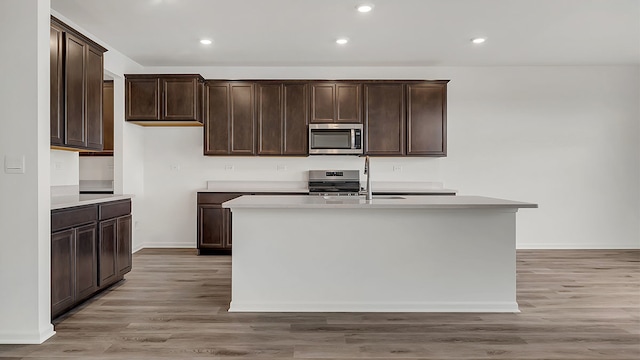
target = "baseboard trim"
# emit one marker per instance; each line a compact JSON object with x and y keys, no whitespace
{"x":525,"y":246}
{"x":472,"y":306}
{"x":568,"y":246}
{"x":26,"y":338}
{"x":163,"y":246}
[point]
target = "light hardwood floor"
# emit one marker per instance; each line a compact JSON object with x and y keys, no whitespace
{"x":578,"y":304}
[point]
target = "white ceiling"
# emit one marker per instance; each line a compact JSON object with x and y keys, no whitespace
{"x":395,"y":33}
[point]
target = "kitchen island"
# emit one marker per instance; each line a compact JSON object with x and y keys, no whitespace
{"x":390,"y":254}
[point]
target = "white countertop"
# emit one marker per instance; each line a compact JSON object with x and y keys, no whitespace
{"x":257,"y":186}
{"x":389,"y":187}
{"x":381,"y":202}
{"x":66,"y":201}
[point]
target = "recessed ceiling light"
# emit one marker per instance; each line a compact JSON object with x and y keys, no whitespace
{"x":364,"y":8}
{"x":478,"y":40}
{"x":342,"y":41}
{"x":205,"y":42}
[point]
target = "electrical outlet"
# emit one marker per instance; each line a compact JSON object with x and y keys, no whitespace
{"x":174,"y":167}
{"x":281,"y":167}
{"x":228,"y":167}
{"x":397,"y":168}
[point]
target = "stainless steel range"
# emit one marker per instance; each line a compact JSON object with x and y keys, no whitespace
{"x":334,"y":182}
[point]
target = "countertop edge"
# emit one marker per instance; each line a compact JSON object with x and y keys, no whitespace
{"x":63,"y":202}
{"x":305,"y":191}
{"x":410,"y":202}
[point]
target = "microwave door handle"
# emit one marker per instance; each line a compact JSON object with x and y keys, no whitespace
{"x":353,"y":138}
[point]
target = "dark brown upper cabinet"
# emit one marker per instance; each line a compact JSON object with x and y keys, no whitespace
{"x":77,"y":69}
{"x":336,"y":102}
{"x":229,"y":124}
{"x":164,"y":100}
{"x":384,"y":119}
{"x":57,"y":85}
{"x":107,"y":121}
{"x":427,"y":118}
{"x":94,"y":88}
{"x":282,"y":113}
{"x":107,"y":115}
{"x":271,"y":117}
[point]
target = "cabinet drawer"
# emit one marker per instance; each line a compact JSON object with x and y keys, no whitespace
{"x":114,"y":209}
{"x":62,"y":219}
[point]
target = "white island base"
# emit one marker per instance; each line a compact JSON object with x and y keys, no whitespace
{"x":341,"y":257}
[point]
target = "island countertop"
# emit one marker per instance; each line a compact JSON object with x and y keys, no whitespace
{"x":378,"y":202}
{"x":301,"y":187}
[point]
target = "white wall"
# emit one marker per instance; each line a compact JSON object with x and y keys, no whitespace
{"x":64,"y":167}
{"x":25,"y":257}
{"x":566,"y":138}
{"x":96,"y":168}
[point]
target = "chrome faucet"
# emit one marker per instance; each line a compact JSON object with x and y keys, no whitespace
{"x":367,"y":171}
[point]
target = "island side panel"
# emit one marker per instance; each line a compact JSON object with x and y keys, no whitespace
{"x":397,"y":260}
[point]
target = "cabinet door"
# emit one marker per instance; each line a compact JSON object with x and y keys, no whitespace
{"x":124,"y":245}
{"x":213,"y":227}
{"x":107,"y":114}
{"x":86,"y":261}
{"x":296,"y":120}
{"x":56,"y":89}
{"x":348,"y":103}
{"x":242,"y":119}
{"x":270,"y":116}
{"x":426,"y":119}
{"x":179,"y":99}
{"x":93,"y":105}
{"x":384,"y":119}
{"x":75,"y":70}
{"x":217,"y":119}
{"x":142,"y":99}
{"x":62,"y":271}
{"x":323,"y":108}
{"x":107,"y":245}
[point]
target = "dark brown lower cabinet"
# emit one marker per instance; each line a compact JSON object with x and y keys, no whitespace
{"x":114,"y":250}
{"x":123,"y":245}
{"x":73,"y":266}
{"x":214,"y":223}
{"x":108,"y":259}
{"x":86,"y":262}
{"x":62,"y":270}
{"x":90,"y":250}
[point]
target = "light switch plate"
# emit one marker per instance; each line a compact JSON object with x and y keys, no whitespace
{"x":14,"y":164}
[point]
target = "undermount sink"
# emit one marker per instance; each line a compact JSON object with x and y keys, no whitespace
{"x":358,"y":198}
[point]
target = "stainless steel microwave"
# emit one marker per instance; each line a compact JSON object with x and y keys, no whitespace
{"x":335,"y":139}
